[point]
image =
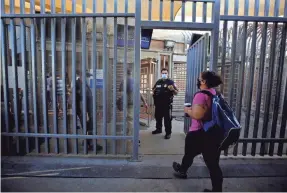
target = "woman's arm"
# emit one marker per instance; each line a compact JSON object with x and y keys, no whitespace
{"x":196,"y":112}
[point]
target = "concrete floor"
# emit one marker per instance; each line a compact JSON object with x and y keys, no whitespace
{"x":157,"y":145}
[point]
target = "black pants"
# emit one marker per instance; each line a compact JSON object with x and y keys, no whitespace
{"x":80,"y":115}
{"x":163,"y":111}
{"x":201,"y":142}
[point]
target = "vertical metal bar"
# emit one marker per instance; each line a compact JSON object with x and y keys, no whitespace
{"x":241,"y":78}
{"x":15,"y":72}
{"x":53,"y":41}
{"x":136,"y":88}
{"x":283,"y":122}
{"x":269,"y":87}
{"x":259,"y":86}
{"x":193,"y":11}
{"x":125,"y":82}
{"x":279,"y":75}
{"x":115,"y":78}
{"x":246,"y":7}
{"x":34,"y":73}
{"x":250,"y":88}
{"x":24,"y":64}
{"x":233,"y":64}
{"x":223,"y":57}
{"x":266,"y":7}
{"x":204,"y":12}
{"x":183,"y":11}
{"x":171,"y":10}
{"x":226,"y":7}
{"x":74,"y":53}
{"x":256,"y":7}
{"x":236,"y":7}
{"x":149,"y":9}
{"x":160,"y":10}
{"x":285,"y":9}
{"x":105,"y":68}
{"x":4,"y":65}
{"x":276,"y":8}
{"x":205,"y":48}
{"x":94,"y":60}
{"x":214,"y":37}
{"x":64,"y":69}
{"x":84,"y":73}
{"x":126,"y":6}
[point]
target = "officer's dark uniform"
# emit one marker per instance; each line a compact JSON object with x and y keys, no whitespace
{"x":163,"y":98}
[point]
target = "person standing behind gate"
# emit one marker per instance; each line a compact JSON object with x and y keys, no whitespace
{"x":163,"y":92}
{"x":130,"y":117}
{"x":89,"y":101}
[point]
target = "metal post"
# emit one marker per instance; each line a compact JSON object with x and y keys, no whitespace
{"x":136,"y":88}
{"x":214,"y":37}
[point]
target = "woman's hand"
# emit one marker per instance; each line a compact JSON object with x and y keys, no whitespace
{"x":187,"y":109}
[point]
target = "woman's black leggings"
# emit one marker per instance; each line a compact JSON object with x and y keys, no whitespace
{"x":201,"y":142}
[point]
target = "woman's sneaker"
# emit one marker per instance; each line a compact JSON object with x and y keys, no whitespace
{"x":178,"y":174}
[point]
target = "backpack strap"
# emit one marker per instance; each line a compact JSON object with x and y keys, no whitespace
{"x":205,"y":92}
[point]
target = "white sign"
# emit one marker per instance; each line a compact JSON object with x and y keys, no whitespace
{"x":99,"y":73}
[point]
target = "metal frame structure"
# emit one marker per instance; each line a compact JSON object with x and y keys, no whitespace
{"x":33,"y":131}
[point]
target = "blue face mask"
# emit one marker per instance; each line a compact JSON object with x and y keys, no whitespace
{"x":164,"y":76}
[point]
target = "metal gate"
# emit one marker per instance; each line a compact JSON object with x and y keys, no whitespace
{"x":252,"y":64}
{"x":196,"y":63}
{"x":102,"y":63}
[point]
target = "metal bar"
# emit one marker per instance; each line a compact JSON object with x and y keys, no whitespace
{"x":105,"y":68}
{"x":253,"y":18}
{"x":276,"y":8}
{"x":115,"y":81}
{"x":183,"y":11}
{"x":269,"y":86}
{"x":84,"y":75}
{"x":205,"y":51}
{"x":266,"y":8}
{"x":4,"y":65}
{"x":160,"y":9}
{"x":136,"y":87}
{"x":223,"y":57}
{"x":171,"y":10}
{"x":256,"y":7}
{"x":94,"y":61}
{"x":236,"y":7}
{"x":279,"y":75}
{"x":177,"y":25}
{"x":233,"y":64}
{"x":74,"y":109}
{"x":125,"y":83}
{"x":204,"y":12}
{"x":259,"y":86}
{"x":285,"y":9}
{"x":283,"y":122}
{"x":54,"y":78}
{"x":25,"y":68}
{"x":246,"y":7}
{"x":126,"y":6}
{"x":250,"y":88}
{"x":149,"y":10}
{"x":203,"y":1}
{"x":15,"y":73}
{"x":193,"y":11}
{"x":64,"y":69}
{"x":34,"y":73}
{"x":69,"y":136}
{"x":214,"y":37}
{"x":226,"y":7}
{"x":241,"y":78}
{"x":69,"y":15}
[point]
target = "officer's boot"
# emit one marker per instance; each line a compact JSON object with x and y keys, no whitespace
{"x":157,"y":131}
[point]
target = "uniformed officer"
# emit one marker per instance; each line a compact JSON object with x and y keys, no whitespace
{"x":163,"y":92}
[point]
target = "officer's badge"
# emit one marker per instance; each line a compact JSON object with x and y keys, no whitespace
{"x":165,"y":85}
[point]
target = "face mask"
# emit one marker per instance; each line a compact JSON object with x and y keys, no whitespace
{"x":164,"y":76}
{"x":198,"y":84}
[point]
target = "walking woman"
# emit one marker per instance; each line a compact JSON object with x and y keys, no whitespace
{"x":199,"y":141}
